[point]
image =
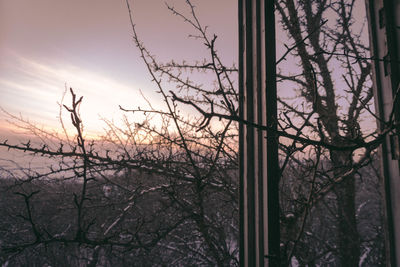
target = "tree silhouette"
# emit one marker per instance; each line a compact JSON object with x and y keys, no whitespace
{"x":172,"y":187}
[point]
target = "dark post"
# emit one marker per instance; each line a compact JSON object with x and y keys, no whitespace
{"x":384,"y":27}
{"x":259,"y":166}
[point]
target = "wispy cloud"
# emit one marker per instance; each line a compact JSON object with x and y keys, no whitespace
{"x":34,"y":88}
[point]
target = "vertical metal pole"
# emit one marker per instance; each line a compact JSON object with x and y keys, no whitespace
{"x":258,"y":149}
{"x":273,"y":170}
{"x":384,"y":22}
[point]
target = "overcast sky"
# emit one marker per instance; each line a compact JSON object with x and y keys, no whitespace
{"x":86,"y":44}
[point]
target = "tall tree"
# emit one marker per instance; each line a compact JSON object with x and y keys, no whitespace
{"x":329,"y":46}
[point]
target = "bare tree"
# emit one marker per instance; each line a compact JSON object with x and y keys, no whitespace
{"x":162,"y":193}
{"x":328,"y":117}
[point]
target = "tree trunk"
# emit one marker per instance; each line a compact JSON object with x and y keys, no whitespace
{"x":348,"y":236}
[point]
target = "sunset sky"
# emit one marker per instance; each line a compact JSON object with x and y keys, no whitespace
{"x":47,"y":45}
